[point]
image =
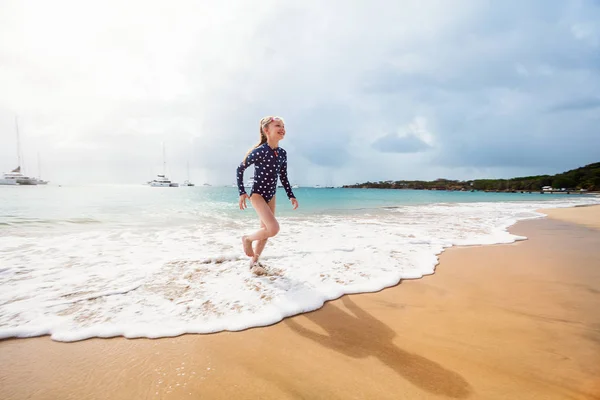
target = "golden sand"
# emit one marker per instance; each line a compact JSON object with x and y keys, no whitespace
{"x":588,"y":216}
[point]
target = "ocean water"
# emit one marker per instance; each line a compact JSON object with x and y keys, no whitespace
{"x":101,"y":261}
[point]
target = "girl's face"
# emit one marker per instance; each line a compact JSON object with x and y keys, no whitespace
{"x":275,"y":130}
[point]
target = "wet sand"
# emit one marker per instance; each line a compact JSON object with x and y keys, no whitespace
{"x":518,"y":321}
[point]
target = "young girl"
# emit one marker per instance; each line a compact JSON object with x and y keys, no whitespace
{"x":270,"y":162}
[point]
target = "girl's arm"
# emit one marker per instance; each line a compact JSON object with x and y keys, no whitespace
{"x":284,"y":179}
{"x":251,"y":159}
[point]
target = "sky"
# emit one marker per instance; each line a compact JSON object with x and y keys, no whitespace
{"x":369,"y":90}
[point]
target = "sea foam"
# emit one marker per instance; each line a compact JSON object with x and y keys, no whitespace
{"x":159,"y":281}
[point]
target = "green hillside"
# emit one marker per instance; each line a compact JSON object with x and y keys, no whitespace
{"x":587,"y":178}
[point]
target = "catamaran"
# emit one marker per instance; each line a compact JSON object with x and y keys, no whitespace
{"x":15,"y":177}
{"x":12,"y":177}
{"x":161,"y":180}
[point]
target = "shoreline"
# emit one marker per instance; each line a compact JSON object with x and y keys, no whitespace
{"x":505,"y":321}
{"x":70,"y":337}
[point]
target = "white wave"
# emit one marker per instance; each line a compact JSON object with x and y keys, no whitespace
{"x":155,"y":281}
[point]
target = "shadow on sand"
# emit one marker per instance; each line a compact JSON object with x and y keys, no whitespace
{"x":361,"y":335}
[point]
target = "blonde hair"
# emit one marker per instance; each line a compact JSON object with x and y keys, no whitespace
{"x":264,"y":122}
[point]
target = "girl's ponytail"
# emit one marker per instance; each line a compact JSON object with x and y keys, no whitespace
{"x":263,"y":138}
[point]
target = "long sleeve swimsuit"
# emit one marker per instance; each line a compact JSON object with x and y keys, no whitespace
{"x":269,"y":164}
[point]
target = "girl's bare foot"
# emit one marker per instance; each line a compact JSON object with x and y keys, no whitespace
{"x":247,"y":243}
{"x":258,"y":269}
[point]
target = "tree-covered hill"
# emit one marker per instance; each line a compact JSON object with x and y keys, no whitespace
{"x":587,"y":178}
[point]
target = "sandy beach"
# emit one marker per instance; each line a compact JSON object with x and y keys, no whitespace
{"x":517,"y":321}
{"x":587,"y":216}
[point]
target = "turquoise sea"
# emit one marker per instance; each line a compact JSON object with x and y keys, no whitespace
{"x":137,"y":261}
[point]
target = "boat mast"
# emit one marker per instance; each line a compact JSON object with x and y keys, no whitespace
{"x":18,"y":142}
{"x":164,"y":161}
{"x":39,"y":167}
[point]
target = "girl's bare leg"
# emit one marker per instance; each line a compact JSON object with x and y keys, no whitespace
{"x":260,"y":244}
{"x":271,"y":226}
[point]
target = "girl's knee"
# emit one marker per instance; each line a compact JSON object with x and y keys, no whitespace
{"x":273,"y":229}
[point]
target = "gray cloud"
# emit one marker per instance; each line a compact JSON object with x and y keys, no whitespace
{"x":577,"y":104}
{"x":392,"y":143}
{"x":97,"y":92}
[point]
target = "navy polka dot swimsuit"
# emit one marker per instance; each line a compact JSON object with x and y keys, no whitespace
{"x":268,"y":165}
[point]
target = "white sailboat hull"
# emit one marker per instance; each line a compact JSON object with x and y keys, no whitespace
{"x":160,"y":184}
{"x":27,"y":181}
{"x":162,"y":181}
{"x":17,"y":178}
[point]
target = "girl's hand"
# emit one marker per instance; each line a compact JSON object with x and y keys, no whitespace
{"x":243,"y":198}
{"x":294,"y":202}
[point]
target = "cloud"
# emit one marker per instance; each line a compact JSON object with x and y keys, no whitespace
{"x":416,"y":139}
{"x":392,"y":143}
{"x":577,"y":104}
{"x":456,"y":88}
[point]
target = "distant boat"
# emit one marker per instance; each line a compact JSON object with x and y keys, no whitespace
{"x":249,"y":183}
{"x":206,"y":184}
{"x":161,"y":180}
{"x":187,"y":181}
{"x":39,"y":179}
{"x":15,"y":177}
{"x":8,"y":179}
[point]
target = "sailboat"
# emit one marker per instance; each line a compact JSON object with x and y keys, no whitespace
{"x":15,"y":177}
{"x":39,"y":179}
{"x":12,"y":178}
{"x":161,"y":180}
{"x":187,"y":181}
